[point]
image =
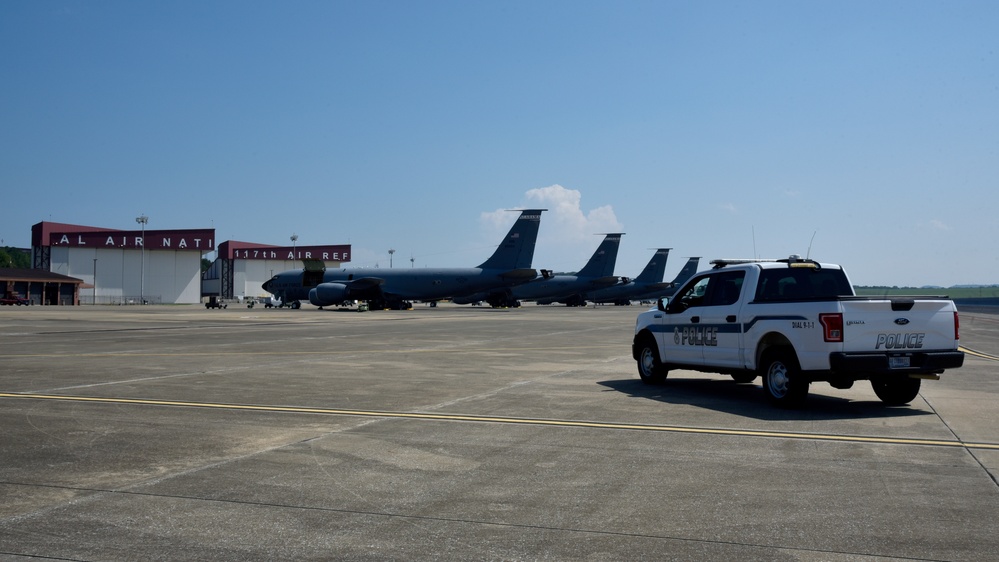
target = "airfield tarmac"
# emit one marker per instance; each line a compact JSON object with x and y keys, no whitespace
{"x":463,"y":433}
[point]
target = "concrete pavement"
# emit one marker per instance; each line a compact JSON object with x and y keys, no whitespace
{"x":463,"y":433}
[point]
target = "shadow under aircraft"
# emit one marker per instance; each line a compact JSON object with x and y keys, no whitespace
{"x":548,"y":288}
{"x":649,"y":284}
{"x":395,"y":289}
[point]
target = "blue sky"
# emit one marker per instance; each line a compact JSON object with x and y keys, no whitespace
{"x":868,"y":130}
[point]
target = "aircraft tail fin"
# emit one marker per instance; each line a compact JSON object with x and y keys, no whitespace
{"x":602,"y":262}
{"x":517,"y":249}
{"x":656,"y":269}
{"x":688,"y":271}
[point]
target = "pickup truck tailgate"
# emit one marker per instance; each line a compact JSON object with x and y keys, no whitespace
{"x":899,"y":325}
{"x":914,"y":335}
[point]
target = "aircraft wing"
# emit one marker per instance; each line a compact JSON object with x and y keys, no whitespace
{"x":606,"y":281}
{"x":364,"y":283}
{"x":519,"y":274}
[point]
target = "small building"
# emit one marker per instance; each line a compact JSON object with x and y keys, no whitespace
{"x":40,"y":287}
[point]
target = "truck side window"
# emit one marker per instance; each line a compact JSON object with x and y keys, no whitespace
{"x":725,"y":288}
{"x":692,"y":296}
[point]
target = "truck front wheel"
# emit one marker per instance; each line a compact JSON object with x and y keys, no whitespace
{"x":896,"y":391}
{"x":781,"y":379}
{"x":650,"y":368}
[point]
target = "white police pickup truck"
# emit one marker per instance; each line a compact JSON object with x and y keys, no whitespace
{"x":794,"y":322}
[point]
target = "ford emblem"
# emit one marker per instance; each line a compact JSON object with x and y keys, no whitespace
{"x":901,"y":321}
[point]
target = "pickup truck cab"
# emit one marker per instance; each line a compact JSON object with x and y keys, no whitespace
{"x":794,"y":322}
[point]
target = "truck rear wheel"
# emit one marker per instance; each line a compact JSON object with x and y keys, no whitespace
{"x":896,"y":391}
{"x":781,"y":379}
{"x":650,"y":368}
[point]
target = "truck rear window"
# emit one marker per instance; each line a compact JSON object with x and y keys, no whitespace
{"x":802,"y":284}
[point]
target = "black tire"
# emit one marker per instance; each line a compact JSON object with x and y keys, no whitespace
{"x":896,"y":391}
{"x":782,"y":381}
{"x":650,"y":367}
{"x":744,"y":378}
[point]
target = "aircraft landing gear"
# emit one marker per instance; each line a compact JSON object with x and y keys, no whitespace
{"x":383,"y":304}
{"x":503,"y":302}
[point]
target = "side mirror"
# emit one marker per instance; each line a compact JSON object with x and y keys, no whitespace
{"x":662,"y":303}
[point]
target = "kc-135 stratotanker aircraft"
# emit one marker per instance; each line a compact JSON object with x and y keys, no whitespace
{"x":649,"y":284}
{"x":550,"y":288}
{"x":510,"y":265}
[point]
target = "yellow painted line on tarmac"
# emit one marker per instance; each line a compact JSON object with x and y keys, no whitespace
{"x":516,"y":421}
{"x":966,"y":350}
{"x":978,"y":354}
{"x":324,"y":352}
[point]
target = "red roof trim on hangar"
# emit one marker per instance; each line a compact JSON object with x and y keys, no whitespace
{"x":75,"y":236}
{"x":78,"y":236}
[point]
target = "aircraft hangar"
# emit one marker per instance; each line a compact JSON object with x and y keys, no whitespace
{"x":163,"y":266}
{"x":124,"y":266}
{"x":242,"y":267}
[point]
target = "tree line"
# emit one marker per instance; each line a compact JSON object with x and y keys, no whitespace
{"x":15,"y":258}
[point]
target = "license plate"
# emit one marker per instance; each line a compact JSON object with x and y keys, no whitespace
{"x":899,"y":362}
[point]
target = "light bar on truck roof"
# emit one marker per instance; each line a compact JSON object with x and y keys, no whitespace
{"x":736,"y":261}
{"x":793,"y":260}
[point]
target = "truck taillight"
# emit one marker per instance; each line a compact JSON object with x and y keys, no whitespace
{"x":832,"y":326}
{"x":957,"y":327}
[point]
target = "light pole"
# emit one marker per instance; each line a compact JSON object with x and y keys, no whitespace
{"x":143,"y":220}
{"x":391,"y":251}
{"x":95,"y":281}
{"x":294,"y":243}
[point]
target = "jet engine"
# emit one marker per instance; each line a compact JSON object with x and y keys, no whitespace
{"x":326,"y":294}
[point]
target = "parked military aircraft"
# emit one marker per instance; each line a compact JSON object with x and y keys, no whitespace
{"x":509,"y":265}
{"x":648,"y":284}
{"x":549,"y":288}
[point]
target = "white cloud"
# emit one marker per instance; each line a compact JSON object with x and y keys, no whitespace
{"x":567,"y":235}
{"x":937,"y":224}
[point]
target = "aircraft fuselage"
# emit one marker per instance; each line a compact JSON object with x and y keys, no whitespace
{"x":413,"y":284}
